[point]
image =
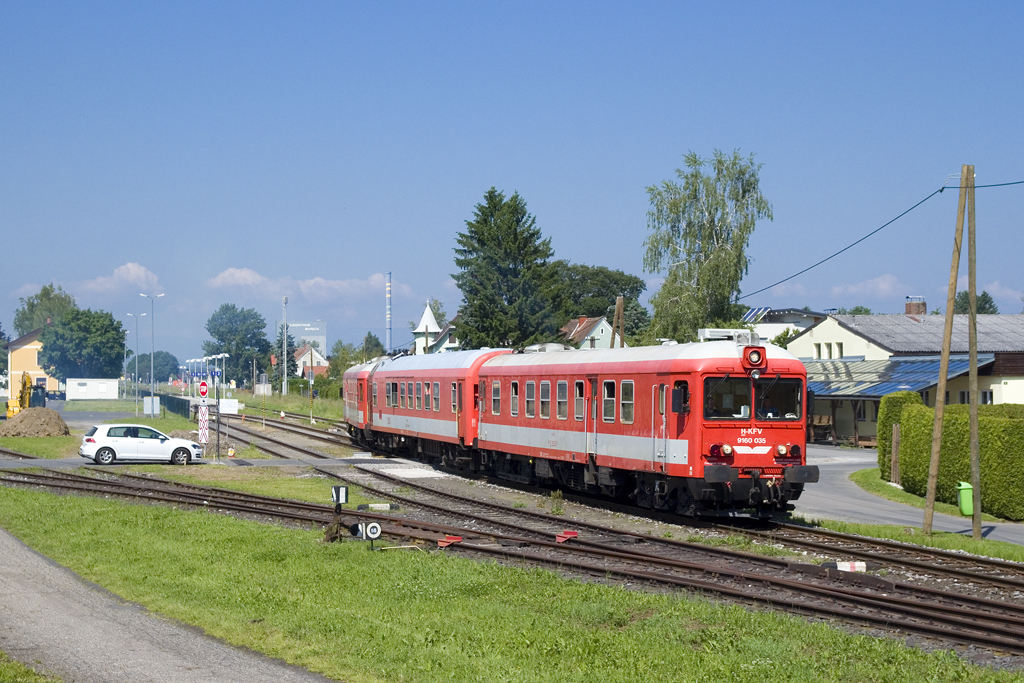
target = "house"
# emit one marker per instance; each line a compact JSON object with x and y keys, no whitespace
{"x":306,"y":358}
{"x":590,"y":333}
{"x":429,"y":337}
{"x":771,"y":322}
{"x":23,"y":356}
{"x":854,"y":360}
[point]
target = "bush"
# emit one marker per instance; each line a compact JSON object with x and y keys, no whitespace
{"x":889,"y":414}
{"x":1002,"y":466}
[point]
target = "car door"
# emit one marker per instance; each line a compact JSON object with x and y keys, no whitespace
{"x":152,"y":445}
{"x":120,"y":439}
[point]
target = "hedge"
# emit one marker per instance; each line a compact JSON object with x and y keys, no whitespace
{"x":889,"y":414}
{"x":1001,"y":458}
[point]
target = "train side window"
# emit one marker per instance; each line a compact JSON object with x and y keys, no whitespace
{"x":409,"y":391}
{"x":680,"y":397}
{"x":387,"y":394}
{"x":545,"y":400}
{"x":459,"y":396}
{"x":419,"y":395}
{"x":562,"y":400}
{"x":626,"y":402}
{"x":437,"y":397}
{"x":401,"y":386}
{"x":580,"y":403}
{"x":426,"y":396}
{"x":374,"y":393}
{"x":513,"y":399}
{"x":531,"y":389}
{"x":608,"y":411}
{"x":455,"y":405}
{"x":360,"y":393}
{"x":496,"y":398}
{"x":661,"y":399}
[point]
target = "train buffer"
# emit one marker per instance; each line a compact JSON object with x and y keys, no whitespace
{"x":565,"y":536}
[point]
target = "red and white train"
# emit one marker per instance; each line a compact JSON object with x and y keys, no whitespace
{"x":716,"y":425}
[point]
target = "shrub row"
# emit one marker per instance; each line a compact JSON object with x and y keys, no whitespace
{"x":889,"y":411}
{"x":1002,"y":467}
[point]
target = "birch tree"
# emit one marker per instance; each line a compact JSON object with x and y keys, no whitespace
{"x":699,"y":231}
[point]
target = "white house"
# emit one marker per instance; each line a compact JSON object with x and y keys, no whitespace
{"x":307,"y":357}
{"x":92,"y":389}
{"x":590,"y":333}
{"x":429,"y":337}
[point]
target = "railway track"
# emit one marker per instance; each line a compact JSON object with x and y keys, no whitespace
{"x":803,"y":589}
{"x":8,"y":453}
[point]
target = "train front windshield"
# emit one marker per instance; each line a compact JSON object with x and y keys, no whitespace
{"x":778,"y":399}
{"x":727,"y":398}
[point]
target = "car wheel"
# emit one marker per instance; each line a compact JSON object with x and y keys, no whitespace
{"x":180,"y":457}
{"x":104,"y":456}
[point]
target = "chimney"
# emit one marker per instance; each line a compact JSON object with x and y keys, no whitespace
{"x":916,"y":305}
{"x":49,"y":321}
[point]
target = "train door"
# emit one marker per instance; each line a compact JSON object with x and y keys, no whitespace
{"x":457,"y":403}
{"x":591,"y":423}
{"x":659,"y":427}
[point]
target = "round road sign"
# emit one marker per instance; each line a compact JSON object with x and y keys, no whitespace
{"x":204,"y":389}
{"x":373,"y":531}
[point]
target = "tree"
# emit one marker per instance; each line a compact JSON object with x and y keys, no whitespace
{"x":82,"y":343}
{"x":782,"y":338}
{"x":292,"y":364}
{"x":51,"y":302}
{"x":856,"y":310}
{"x":343,"y":356}
{"x":636,"y":320}
{"x":165,"y":365}
{"x":437,"y":308}
{"x":505,"y":276}
{"x":986,"y":304}
{"x":699,"y":234}
{"x":241,"y":333}
{"x":592,"y":290}
{"x":372,"y":347}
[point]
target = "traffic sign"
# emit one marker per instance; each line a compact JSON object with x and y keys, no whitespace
{"x":204,"y":424}
{"x":204,"y":388}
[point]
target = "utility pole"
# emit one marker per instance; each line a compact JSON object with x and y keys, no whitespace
{"x":284,"y":350}
{"x":973,"y":373}
{"x":617,"y":322}
{"x":940,"y":390}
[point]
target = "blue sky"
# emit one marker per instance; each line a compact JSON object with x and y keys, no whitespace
{"x":239,"y":152}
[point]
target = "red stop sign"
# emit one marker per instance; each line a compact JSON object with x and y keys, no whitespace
{"x":204,"y":389}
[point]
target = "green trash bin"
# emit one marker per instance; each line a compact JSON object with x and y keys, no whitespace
{"x":965,"y":497}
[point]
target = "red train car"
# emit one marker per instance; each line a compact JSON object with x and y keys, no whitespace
{"x":685,"y":428}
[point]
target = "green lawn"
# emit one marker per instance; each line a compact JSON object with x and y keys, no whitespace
{"x":15,"y":672}
{"x":333,"y":408}
{"x":415,"y":615}
{"x":43,"y":446}
{"x":118,"y":406}
{"x":165,"y":424}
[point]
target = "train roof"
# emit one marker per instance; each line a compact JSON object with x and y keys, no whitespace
{"x":450,"y":360}
{"x":639,"y":354}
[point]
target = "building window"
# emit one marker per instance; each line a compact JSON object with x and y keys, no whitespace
{"x":839,"y":349}
{"x":580,"y":403}
{"x":562,"y":400}
{"x":545,"y":400}
{"x":874,"y":411}
{"x":828,"y":350}
{"x":861,"y":410}
{"x":946,"y":400}
{"x":817,"y":352}
{"x":626,"y":403}
{"x":513,"y":398}
{"x":986,"y":398}
{"x":608,"y":413}
{"x":437,"y":397}
{"x":965,"y":397}
{"x":496,"y":398}
{"x":925,"y":396}
{"x":531,"y":388}
{"x":419,"y":395}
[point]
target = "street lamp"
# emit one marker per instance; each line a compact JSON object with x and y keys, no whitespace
{"x":137,"y":360}
{"x":152,"y":347}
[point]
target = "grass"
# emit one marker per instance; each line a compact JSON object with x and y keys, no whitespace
{"x":297,"y":483}
{"x":55,"y":447}
{"x":119,"y":405}
{"x":404,"y":616}
{"x":16,"y":672}
{"x":870,"y":480}
{"x":333,"y":408}
{"x":165,"y":424}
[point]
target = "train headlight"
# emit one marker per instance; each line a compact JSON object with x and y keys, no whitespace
{"x":715,"y":450}
{"x":781,"y":450}
{"x":755,"y":357}
{"x":726,"y":449}
{"x":795,"y":451}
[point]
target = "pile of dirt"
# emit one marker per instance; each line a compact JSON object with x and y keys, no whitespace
{"x":184,"y":434}
{"x":35,"y":422}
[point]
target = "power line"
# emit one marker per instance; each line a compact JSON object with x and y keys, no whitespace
{"x":876,"y":230}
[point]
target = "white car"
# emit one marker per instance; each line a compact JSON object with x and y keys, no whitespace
{"x":107,"y":443}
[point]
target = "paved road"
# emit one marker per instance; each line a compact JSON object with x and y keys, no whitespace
{"x":836,"y":497}
{"x":52,"y":619}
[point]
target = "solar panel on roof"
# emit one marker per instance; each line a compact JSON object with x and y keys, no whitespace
{"x":755,"y":314}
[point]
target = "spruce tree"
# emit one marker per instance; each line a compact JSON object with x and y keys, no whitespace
{"x":505,"y":276}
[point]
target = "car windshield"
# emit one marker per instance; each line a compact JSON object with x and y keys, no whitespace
{"x":727,"y":398}
{"x":778,"y":399}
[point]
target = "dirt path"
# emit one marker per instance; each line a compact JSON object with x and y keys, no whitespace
{"x":53,"y":620}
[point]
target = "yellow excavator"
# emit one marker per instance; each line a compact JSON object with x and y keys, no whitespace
{"x":24,"y":398}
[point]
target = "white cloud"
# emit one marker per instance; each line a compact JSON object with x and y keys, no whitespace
{"x":130,"y":274}
{"x":881,"y":287}
{"x":998,"y":291}
{"x":25,"y":291}
{"x":317,"y":289}
{"x":788,"y":290}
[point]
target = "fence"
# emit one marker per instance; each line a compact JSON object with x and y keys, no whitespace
{"x":177,"y":405}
